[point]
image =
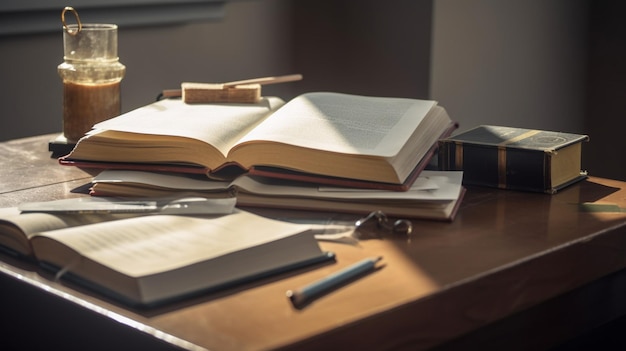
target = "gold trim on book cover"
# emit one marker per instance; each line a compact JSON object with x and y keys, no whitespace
{"x":458,"y":156}
{"x":501,"y":167}
{"x":502,"y":155}
{"x":520,"y":137}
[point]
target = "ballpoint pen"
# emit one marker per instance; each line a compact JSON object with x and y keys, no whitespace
{"x":304,"y":295}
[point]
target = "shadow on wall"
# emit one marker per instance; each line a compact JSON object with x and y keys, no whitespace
{"x":606,"y":104}
{"x":362,"y":47}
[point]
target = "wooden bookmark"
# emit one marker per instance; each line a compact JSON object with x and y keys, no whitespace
{"x":241,"y":91}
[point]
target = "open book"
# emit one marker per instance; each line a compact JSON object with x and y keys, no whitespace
{"x":17,"y":228}
{"x":332,"y":138}
{"x":148,"y":260}
{"x":434,"y":194}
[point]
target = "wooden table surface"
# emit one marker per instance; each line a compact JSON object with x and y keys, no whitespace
{"x":504,"y":253}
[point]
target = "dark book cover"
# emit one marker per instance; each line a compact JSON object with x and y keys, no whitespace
{"x":514,"y":158}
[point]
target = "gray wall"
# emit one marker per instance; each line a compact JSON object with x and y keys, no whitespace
{"x":517,"y":62}
{"x":363,"y":46}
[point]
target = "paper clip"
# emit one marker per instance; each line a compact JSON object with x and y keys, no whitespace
{"x":400,"y":226}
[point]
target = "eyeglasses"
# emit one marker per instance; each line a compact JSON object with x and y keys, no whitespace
{"x":398,"y":227}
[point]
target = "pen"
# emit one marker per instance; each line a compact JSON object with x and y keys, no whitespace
{"x":305,"y":294}
{"x":89,"y":205}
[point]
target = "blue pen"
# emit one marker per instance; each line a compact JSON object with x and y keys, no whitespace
{"x":302,"y":296}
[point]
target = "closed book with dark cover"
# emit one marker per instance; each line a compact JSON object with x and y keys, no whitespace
{"x":514,"y":158}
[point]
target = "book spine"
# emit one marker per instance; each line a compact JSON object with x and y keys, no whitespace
{"x":444,"y":156}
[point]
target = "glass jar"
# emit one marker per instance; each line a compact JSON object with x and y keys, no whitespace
{"x":91,"y":75}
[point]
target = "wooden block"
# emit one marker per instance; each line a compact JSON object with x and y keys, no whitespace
{"x":200,"y":93}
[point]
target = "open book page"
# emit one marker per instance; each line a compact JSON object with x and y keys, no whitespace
{"x":344,"y":123}
{"x":172,"y":181}
{"x":153,"y":244}
{"x":220,"y":125}
{"x":17,"y":228}
{"x":31,"y":222}
{"x":430,"y":186}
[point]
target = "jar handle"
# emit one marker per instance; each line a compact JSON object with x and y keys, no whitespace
{"x":80,"y":25}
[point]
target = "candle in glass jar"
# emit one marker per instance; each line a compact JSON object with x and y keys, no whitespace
{"x":87,"y":104}
{"x":91,"y":74}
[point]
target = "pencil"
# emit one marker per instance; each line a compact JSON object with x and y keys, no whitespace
{"x":304,"y":295}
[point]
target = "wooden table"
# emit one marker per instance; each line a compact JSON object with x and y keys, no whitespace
{"x":514,"y":268}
